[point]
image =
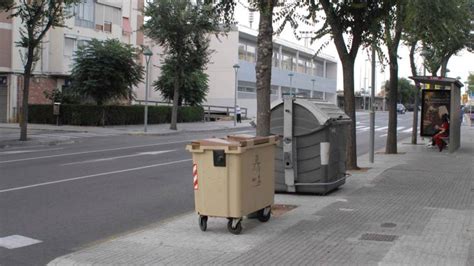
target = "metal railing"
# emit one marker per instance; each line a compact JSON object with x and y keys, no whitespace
{"x":210,"y":111}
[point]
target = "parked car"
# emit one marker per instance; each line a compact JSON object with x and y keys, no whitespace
{"x":410,"y":107}
{"x":401,"y":108}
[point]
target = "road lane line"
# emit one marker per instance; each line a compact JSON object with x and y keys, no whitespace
{"x":94,"y":175}
{"x":17,"y":241}
{"x":408,"y":130}
{"x":384,"y":135}
{"x":119,"y":157}
{"x":27,"y":151}
{"x":381,"y":129}
{"x":93,"y":151}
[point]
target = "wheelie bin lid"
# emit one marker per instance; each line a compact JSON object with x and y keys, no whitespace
{"x":236,"y":143}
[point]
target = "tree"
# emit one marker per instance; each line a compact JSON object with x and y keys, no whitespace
{"x":105,"y":70}
{"x":263,"y":67}
{"x":405,"y":92}
{"x":392,"y":28}
{"x":446,"y":31}
{"x":38,"y":16}
{"x":194,"y":85}
{"x":178,"y":26}
{"x":470,"y":81}
{"x":351,"y":24}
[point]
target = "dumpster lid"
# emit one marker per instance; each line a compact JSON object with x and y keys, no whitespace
{"x":240,"y":140}
{"x":322,"y":110}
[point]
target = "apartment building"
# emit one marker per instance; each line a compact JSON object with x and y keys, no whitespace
{"x":311,"y":76}
{"x":100,"y":19}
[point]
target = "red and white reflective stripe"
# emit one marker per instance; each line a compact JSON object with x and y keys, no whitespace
{"x":195,"y":176}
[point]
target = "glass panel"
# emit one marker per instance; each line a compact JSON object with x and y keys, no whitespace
{"x":319,"y":68}
{"x":304,"y":93}
{"x":276,"y":59}
{"x":242,"y":51}
{"x":287,"y":62}
{"x":301,"y":65}
{"x":68,"y":47}
{"x":251,"y":53}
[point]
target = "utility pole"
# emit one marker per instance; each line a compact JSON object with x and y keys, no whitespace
{"x":372,"y":110}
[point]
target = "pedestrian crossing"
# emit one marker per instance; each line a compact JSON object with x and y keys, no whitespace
{"x":360,"y":128}
{"x":72,"y":135}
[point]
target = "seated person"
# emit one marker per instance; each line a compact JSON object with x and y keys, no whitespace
{"x":443,"y":132}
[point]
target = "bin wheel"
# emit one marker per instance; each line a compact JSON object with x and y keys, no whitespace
{"x":203,"y":222}
{"x":237,"y":229}
{"x":264,"y":214}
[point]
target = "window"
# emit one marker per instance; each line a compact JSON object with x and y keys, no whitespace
{"x":105,"y":16}
{"x":276,"y":59}
{"x":247,"y":52}
{"x":304,"y":93}
{"x":242,"y":51}
{"x":69,"y":44}
{"x":84,"y":14}
{"x":251,"y":53}
{"x":288,"y":62}
{"x":301,"y":65}
{"x":247,"y":89}
{"x":318,"y":68}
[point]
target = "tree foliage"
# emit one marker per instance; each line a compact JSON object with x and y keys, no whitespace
{"x":351,"y":25}
{"x":193,"y":88}
{"x":405,"y":93}
{"x":105,"y":70}
{"x":443,"y":31}
{"x":38,"y":17}
{"x":470,"y":83}
{"x":179,"y":27}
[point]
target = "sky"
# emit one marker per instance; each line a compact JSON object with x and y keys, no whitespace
{"x":459,"y":65}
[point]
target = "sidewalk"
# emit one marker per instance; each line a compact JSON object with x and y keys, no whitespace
{"x":9,"y":133}
{"x":414,"y":208}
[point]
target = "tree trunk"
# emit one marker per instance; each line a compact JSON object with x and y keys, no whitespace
{"x":414,"y":133}
{"x":444,"y":65}
{"x":391,"y":146}
{"x":263,"y":68}
{"x":349,"y":108}
{"x":174,"y":109}
{"x":26,"y":92}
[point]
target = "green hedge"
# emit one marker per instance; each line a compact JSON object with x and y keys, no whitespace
{"x":91,"y":115}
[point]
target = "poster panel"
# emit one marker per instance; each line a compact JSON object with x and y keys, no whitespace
{"x":435,"y":103}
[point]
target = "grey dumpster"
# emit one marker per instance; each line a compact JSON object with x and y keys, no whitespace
{"x":312,"y":156}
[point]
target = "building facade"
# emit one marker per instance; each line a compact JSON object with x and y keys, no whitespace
{"x":100,"y":19}
{"x":312,"y":76}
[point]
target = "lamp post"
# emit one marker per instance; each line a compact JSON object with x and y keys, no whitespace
{"x":236,"y":70}
{"x":291,"y":83}
{"x":147,"y":53}
{"x":372,"y":110}
{"x":312,"y":91}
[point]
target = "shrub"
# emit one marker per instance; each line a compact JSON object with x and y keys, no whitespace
{"x":92,"y":115}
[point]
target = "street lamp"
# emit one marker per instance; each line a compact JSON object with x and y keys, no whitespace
{"x":291,"y":83}
{"x":236,"y":70}
{"x":147,"y":53}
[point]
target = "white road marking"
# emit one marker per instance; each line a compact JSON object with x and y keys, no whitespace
{"x":27,"y":151}
{"x":408,"y":130}
{"x":346,"y":210}
{"x":341,"y":200}
{"x":17,"y":241}
{"x":93,"y":175}
{"x":245,"y":131}
{"x":384,"y":135}
{"x":381,"y":129}
{"x":400,"y":128}
{"x":119,"y":157}
{"x":93,"y":151}
{"x":364,"y":128}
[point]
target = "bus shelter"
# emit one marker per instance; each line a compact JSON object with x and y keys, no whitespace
{"x":443,"y":96}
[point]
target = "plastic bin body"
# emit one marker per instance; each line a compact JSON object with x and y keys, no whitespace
{"x":312,"y":125}
{"x":244,"y":185}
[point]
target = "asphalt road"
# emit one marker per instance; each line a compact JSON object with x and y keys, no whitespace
{"x":70,"y":196}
